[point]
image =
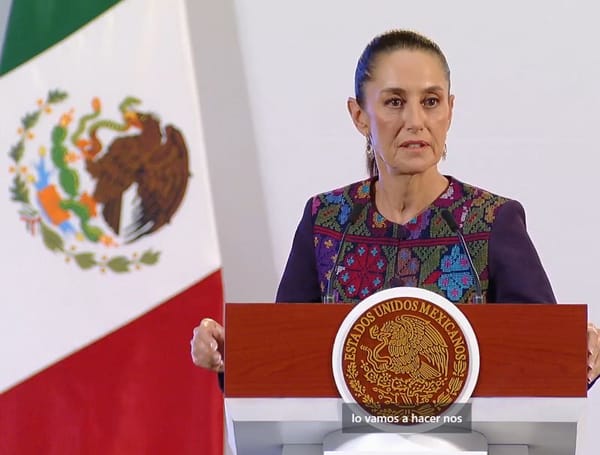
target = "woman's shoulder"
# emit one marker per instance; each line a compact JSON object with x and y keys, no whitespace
{"x":466,"y":192}
{"x":354,"y":193}
{"x":477,"y":208}
{"x":333,"y":208}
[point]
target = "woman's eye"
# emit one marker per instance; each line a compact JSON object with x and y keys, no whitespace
{"x":431,"y":102}
{"x":395,"y":102}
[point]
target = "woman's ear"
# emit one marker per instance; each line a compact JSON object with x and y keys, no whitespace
{"x":358,"y":116}
{"x":451,"y":106}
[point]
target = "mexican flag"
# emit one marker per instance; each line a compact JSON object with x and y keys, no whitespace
{"x":109,"y":247}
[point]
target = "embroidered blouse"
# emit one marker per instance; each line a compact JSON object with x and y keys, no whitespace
{"x":377,"y":253}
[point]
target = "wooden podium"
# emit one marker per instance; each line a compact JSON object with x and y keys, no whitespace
{"x":281,"y":399}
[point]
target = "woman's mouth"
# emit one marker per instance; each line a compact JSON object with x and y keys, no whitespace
{"x":414,"y":144}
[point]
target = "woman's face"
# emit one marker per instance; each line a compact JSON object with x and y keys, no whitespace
{"x":407,"y":111}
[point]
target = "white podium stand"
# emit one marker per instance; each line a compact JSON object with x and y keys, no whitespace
{"x":298,"y":426}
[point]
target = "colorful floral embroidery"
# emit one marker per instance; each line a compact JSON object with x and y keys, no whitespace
{"x":417,"y":225}
{"x":376,"y":254}
{"x":456,"y":276}
{"x":363,"y":270}
{"x":407,"y":263}
{"x":364,"y":190}
{"x":378,"y":220}
{"x":316,"y":203}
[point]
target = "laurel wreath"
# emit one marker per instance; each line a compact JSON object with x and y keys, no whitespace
{"x":387,"y":392}
{"x":455,"y":384}
{"x":20,"y":193}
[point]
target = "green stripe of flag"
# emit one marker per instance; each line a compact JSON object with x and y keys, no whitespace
{"x":35,"y":25}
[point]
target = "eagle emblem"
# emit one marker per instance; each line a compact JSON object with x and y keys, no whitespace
{"x":97,"y":181}
{"x":408,"y":345}
{"x":403,"y":357}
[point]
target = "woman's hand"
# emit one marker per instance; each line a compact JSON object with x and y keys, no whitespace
{"x":593,"y":352}
{"x":207,"y":345}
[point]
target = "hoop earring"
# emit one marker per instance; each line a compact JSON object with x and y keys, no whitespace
{"x":445,"y":152}
{"x":370,"y":152}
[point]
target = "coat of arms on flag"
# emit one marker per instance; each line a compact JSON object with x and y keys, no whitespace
{"x":89,"y":173}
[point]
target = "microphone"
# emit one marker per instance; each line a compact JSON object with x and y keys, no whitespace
{"x":451,"y":222}
{"x":356,"y":211}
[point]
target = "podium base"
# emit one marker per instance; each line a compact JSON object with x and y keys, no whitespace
{"x":317,"y":449}
{"x":340,"y":443}
{"x":512,"y":425}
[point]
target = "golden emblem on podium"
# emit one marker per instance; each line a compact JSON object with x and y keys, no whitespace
{"x":404,"y":356}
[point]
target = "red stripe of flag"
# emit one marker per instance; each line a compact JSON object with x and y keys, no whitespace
{"x":135,"y":391}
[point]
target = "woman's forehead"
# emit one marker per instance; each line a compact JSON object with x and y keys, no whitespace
{"x":409,"y":66}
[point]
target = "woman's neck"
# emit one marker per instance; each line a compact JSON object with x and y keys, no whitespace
{"x":400,"y":198}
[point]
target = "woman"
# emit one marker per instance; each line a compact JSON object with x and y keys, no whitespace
{"x":389,"y":230}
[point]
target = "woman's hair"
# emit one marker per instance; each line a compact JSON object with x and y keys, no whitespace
{"x":385,"y":44}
